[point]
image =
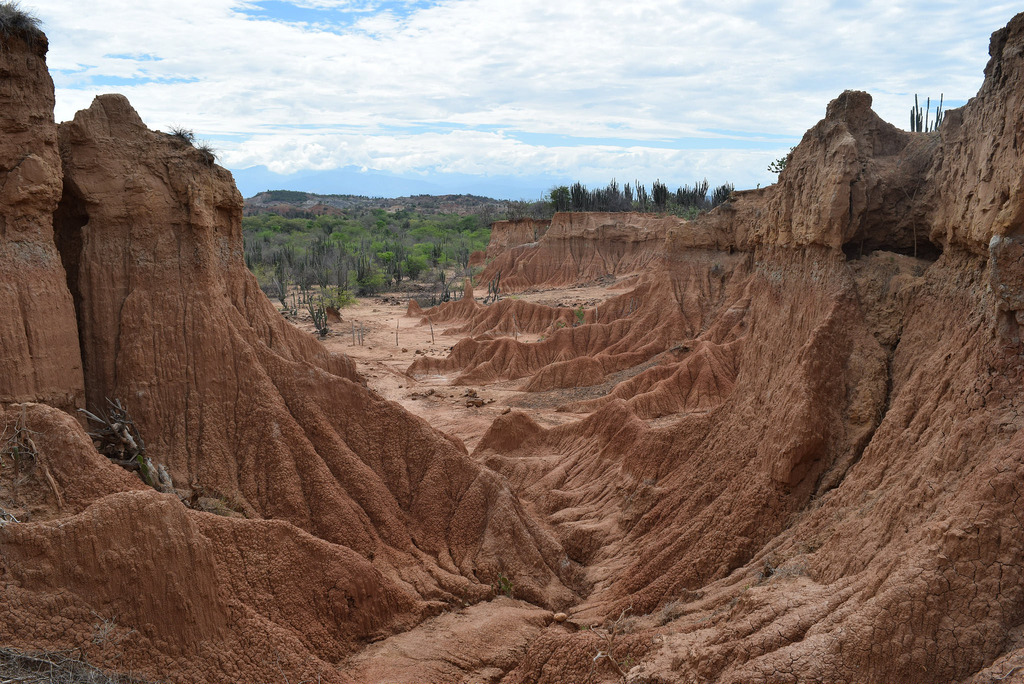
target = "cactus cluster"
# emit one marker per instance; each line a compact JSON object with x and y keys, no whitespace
{"x":636,"y":197}
{"x":920,"y":118}
{"x":318,"y":314}
{"x":493,"y":289}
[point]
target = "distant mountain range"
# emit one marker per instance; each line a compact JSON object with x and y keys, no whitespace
{"x":353,"y":181}
{"x":295,"y":204}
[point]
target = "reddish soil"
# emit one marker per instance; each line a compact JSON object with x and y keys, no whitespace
{"x":779,"y":443}
{"x":433,"y":396}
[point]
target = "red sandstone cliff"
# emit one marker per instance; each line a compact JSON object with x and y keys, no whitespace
{"x":815,"y":473}
{"x":575,"y":248}
{"x":38,"y":336}
{"x":362,"y":518}
{"x":833,"y":489}
{"x":508,"y":234}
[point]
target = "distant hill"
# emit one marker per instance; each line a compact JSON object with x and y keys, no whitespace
{"x":294,"y":204}
{"x":382,"y":184}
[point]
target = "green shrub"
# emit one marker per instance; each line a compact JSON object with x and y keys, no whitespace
{"x":503,"y":586}
{"x":338,"y":297}
{"x":371,"y":283}
{"x":415,"y":265}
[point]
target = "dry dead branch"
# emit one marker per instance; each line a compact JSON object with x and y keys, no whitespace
{"x":117,"y":437}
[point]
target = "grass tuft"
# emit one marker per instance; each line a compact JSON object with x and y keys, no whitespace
{"x":208,"y":152}
{"x":16,"y":22}
{"x":188,"y":137}
{"x":185,"y":135}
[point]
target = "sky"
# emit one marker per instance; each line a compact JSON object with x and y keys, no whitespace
{"x":507,"y":98}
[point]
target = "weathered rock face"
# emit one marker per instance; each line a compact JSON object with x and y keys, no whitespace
{"x":38,"y":336}
{"x":363,"y":517}
{"x":235,"y":401}
{"x":508,"y":234}
{"x":575,"y":248}
{"x":837,"y":497}
{"x":979,"y":167}
{"x":977,"y":190}
{"x":854,"y":181}
{"x":99,"y":562}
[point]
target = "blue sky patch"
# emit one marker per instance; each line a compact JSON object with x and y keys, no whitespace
{"x":330,"y":18}
{"x":136,"y":58}
{"x":103,"y":81}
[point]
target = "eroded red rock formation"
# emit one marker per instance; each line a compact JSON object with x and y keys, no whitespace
{"x":813,"y":471}
{"x":38,"y":336}
{"x":837,"y":495}
{"x":575,"y":248}
{"x":362,"y":518}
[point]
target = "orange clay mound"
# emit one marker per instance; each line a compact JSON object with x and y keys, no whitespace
{"x":619,"y":334}
{"x":458,"y":309}
{"x":790,"y":450}
{"x":506,"y":316}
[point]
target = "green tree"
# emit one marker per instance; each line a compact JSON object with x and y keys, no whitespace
{"x":779,"y":164}
{"x":559,"y":198}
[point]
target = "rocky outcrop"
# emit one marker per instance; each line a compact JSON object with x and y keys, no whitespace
{"x":508,"y":234}
{"x":576,"y":248}
{"x":836,"y":495}
{"x":38,"y":336}
{"x":235,"y":400}
{"x":99,"y":562}
{"x":976,"y":191}
{"x":362,"y":518}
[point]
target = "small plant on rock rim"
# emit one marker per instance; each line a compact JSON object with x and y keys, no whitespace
{"x":185,"y":135}
{"x":15,"y":21}
{"x":208,"y":152}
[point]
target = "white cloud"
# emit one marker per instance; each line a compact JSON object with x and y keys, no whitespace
{"x":384,"y":87}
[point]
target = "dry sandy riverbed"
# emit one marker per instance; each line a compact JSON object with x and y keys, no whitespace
{"x":383,"y":359}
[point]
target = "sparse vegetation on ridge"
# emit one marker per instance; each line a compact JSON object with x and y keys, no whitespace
{"x":208,"y":152}
{"x":686,"y":201}
{"x":920,"y":119}
{"x":188,"y":137}
{"x":15,"y":21}
{"x":779,"y":164}
{"x":185,"y":135}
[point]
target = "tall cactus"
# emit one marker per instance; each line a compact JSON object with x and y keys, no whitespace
{"x":920,"y":118}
